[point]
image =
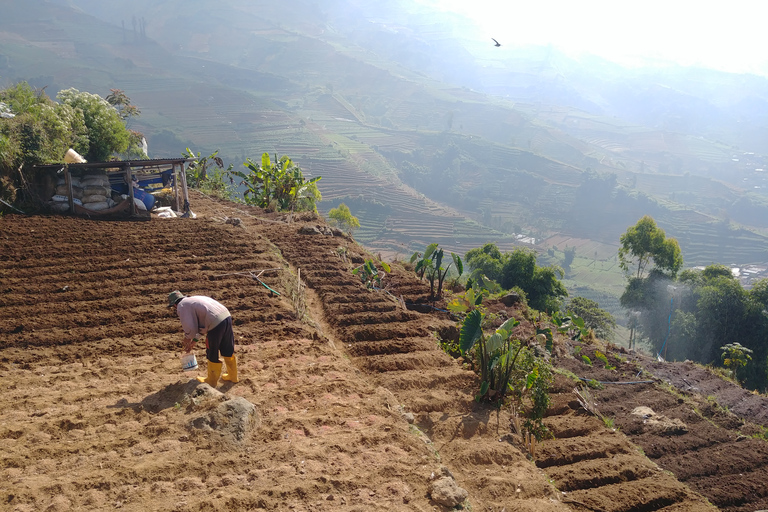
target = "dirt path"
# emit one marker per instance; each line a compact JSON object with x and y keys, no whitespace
{"x":356,"y":408}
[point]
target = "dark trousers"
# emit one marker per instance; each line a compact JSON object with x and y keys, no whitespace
{"x":220,"y":339}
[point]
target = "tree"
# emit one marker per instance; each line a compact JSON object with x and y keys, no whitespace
{"x":34,"y":130}
{"x":106,"y":132}
{"x":519,"y":270}
{"x":541,"y":285}
{"x":343,"y":218}
{"x":735,"y":357}
{"x":595,"y":318}
{"x":569,"y":254}
{"x":41,"y":130}
{"x":546,"y":291}
{"x":722,"y":311}
{"x":122,"y":103}
{"x":759,"y":293}
{"x":644,"y":243}
{"x":486,"y":260}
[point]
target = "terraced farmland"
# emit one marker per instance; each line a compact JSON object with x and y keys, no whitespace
{"x":356,"y":406}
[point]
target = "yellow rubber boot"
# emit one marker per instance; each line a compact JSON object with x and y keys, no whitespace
{"x":214,"y":372}
{"x":231,"y":374}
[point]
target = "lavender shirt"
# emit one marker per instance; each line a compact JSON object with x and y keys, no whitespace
{"x":199,"y":314}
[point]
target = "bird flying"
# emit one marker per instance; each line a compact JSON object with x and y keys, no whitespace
{"x":497,"y":43}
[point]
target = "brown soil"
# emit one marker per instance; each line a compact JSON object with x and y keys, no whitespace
{"x":356,"y":406}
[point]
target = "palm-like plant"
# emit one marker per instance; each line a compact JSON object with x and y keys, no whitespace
{"x":277,"y":186}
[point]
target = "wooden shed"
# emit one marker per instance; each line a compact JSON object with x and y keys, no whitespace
{"x":125,"y":179}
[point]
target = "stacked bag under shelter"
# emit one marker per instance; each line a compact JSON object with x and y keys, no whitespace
{"x":91,"y":191}
{"x":97,"y":193}
{"x":60,"y":201}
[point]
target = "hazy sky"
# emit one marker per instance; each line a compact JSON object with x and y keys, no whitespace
{"x":726,"y":35}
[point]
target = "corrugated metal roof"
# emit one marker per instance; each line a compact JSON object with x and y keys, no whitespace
{"x":147,"y":162}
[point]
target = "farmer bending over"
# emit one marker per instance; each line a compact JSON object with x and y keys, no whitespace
{"x":203,"y":315}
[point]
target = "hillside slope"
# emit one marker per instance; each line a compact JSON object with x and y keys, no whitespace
{"x":356,"y":408}
{"x":358,"y":98}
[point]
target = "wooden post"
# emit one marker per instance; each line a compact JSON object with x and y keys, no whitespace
{"x":129,"y":179}
{"x":68,"y":183}
{"x":176,"y":186}
{"x":184,"y":187}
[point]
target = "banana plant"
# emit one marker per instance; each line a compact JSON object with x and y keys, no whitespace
{"x":279,"y":186}
{"x":257,"y":182}
{"x":197,"y":169}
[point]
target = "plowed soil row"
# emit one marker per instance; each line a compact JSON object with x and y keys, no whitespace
{"x":357,"y":406}
{"x":705,"y":430}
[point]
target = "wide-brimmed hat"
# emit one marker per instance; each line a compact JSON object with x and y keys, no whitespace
{"x":174,"y":297}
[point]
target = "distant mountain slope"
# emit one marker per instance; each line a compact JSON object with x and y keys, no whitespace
{"x":426,"y":142}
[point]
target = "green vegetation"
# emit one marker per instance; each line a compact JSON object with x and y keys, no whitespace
{"x":41,"y":130}
{"x":698,"y":314}
{"x":372,"y":277}
{"x":343,"y":218}
{"x":122,"y":104}
{"x":735,"y":357}
{"x":542,"y":286}
{"x":106,"y":131}
{"x":507,"y":366}
{"x":465,"y":302}
{"x":37,"y":130}
{"x":594,"y":317}
{"x":429,"y":264}
{"x":278,"y":186}
{"x":207,"y":174}
{"x":643,"y":244}
{"x":572,"y":326}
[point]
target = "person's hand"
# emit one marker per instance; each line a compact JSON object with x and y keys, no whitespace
{"x":188,"y":344}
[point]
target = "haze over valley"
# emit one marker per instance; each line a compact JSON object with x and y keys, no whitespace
{"x":422,"y":126}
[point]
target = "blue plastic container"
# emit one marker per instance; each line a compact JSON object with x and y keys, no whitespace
{"x":145,"y":197}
